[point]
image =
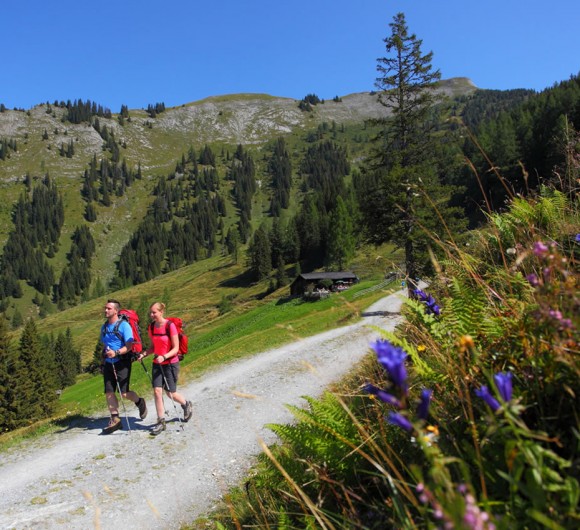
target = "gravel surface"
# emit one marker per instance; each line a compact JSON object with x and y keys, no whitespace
{"x":76,"y":478}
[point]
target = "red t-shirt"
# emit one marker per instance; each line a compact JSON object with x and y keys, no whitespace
{"x":161,"y":341}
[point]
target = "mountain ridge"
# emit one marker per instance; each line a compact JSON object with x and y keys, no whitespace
{"x":156,"y":143}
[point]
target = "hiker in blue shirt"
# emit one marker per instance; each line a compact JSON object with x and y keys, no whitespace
{"x":117,"y":336}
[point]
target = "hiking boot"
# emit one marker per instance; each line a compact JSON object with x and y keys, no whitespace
{"x":187,"y":410}
{"x":142,"y":406}
{"x":158,"y":428}
{"x":114,"y":425}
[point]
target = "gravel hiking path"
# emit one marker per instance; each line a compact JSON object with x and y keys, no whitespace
{"x":76,"y":478}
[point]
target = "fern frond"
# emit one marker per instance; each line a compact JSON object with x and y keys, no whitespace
{"x":324,"y":433}
{"x":465,"y":309}
{"x":551,"y":210}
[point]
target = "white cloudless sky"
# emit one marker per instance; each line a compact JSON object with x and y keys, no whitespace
{"x":140,"y":52}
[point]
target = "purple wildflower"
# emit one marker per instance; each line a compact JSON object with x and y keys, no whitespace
{"x":533,"y":279}
{"x":393,"y":360}
{"x":400,"y":421}
{"x":540,"y":248}
{"x":577,"y":238}
{"x":503,"y":381}
{"x":421,"y":295}
{"x":429,"y":301}
{"x":385,"y":397}
{"x":432,"y":306}
{"x":474,"y":517}
{"x":423,"y":408}
{"x":484,"y":394}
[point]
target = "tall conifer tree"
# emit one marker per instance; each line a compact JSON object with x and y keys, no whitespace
{"x":37,"y":381}
{"x":341,"y":241}
{"x":7,"y":390}
{"x":260,"y":254}
{"x":401,"y":192}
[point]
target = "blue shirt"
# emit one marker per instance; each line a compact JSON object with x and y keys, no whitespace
{"x":110,"y":339}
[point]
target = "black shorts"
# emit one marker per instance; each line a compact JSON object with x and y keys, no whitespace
{"x":165,"y":376}
{"x":123,"y":370}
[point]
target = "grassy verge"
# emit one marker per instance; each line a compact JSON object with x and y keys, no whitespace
{"x":471,"y":420}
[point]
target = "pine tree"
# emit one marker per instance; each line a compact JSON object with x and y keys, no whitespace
{"x":291,"y":242}
{"x":17,"y":319}
{"x":259,"y":254}
{"x":281,"y":276}
{"x":95,"y":365}
{"x":399,"y":190}
{"x":341,"y":241}
{"x":308,"y":224}
{"x":6,"y":382}
{"x":38,"y":382}
{"x":67,"y":359}
{"x":233,"y":243}
{"x":280,"y":169}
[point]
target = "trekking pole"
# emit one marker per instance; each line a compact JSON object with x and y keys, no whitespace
{"x":121,"y":397}
{"x":151,"y":381}
{"x":171,"y":396}
{"x":146,"y":371}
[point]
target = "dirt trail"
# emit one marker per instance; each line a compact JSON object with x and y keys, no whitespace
{"x":78,"y":479}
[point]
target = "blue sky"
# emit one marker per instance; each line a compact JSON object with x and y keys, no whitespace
{"x":137,"y":52}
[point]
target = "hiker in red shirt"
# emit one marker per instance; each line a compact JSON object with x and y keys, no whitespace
{"x":164,"y":346}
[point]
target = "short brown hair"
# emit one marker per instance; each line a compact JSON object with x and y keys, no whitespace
{"x":116,"y":302}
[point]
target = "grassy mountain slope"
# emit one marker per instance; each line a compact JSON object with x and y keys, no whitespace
{"x":157,"y":144}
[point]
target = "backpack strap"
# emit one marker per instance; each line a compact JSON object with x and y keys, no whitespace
{"x":167,"y":328}
{"x":115,"y":330}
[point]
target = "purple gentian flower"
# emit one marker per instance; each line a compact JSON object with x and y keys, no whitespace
{"x":393,"y":360}
{"x":432,"y":306}
{"x":400,"y":421}
{"x":503,"y":381}
{"x":429,"y":301}
{"x":423,"y":408}
{"x":421,"y":295}
{"x":540,"y":248}
{"x":484,"y":394}
{"x":533,"y":279}
{"x":385,"y":397}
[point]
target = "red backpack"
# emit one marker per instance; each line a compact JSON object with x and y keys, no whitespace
{"x":130,"y":316}
{"x":182,"y":337}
